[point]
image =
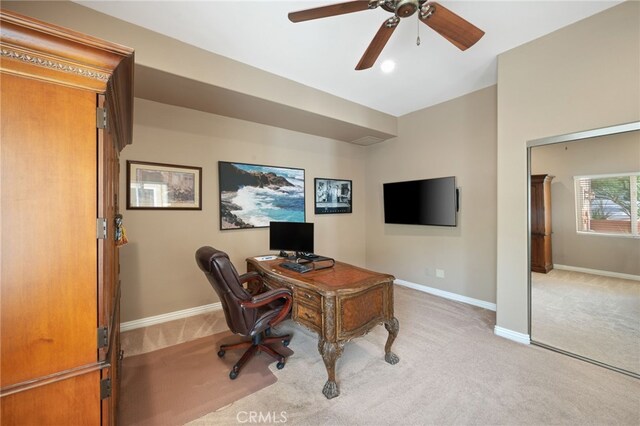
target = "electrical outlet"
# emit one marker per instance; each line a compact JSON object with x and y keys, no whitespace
{"x":440,"y":273}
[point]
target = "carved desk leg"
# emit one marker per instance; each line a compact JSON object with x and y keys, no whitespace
{"x":392,"y":326}
{"x":330,"y":352}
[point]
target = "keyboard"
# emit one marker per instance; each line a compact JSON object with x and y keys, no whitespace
{"x":297,"y":267}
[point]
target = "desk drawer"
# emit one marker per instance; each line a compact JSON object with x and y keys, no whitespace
{"x":307,"y":296}
{"x":308,"y":315}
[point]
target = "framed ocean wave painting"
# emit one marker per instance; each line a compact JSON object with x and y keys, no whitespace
{"x":253,"y":195}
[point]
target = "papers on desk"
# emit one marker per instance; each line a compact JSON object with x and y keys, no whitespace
{"x":263,"y":258}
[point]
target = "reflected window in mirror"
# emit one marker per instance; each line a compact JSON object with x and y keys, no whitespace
{"x":608,"y":204}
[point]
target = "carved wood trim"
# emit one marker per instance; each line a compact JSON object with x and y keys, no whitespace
{"x":37,"y":60}
{"x":329,"y":317}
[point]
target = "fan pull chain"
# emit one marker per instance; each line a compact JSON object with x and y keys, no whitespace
{"x":418,"y":28}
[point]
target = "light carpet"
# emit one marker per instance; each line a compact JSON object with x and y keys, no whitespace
{"x":589,"y":315}
{"x":452,"y":370}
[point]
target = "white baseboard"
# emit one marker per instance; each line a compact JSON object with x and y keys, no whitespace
{"x":447,"y":295}
{"x":598,"y":272}
{"x":512,"y":335}
{"x":170,"y":316}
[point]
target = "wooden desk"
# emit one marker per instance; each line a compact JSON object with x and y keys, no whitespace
{"x":338,"y":304}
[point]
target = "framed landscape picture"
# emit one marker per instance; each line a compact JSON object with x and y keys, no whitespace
{"x":332,"y":196}
{"x":253,"y":195}
{"x":163,"y":186}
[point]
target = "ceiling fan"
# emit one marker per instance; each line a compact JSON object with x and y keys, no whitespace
{"x":454,"y":28}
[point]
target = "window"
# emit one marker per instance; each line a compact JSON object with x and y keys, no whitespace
{"x":608,"y":204}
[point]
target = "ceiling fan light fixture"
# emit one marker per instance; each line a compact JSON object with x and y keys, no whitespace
{"x":387,"y":66}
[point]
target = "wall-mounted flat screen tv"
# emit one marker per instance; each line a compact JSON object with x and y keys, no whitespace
{"x":421,"y":202}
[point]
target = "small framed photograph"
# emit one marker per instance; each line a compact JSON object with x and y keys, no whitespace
{"x":163,"y":186}
{"x":332,"y":196}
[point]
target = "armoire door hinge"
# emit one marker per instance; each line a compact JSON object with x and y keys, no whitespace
{"x":101,"y":228}
{"x":103,"y":337}
{"x":105,"y":388}
{"x":101,"y":118}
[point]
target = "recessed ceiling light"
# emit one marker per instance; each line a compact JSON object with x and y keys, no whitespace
{"x":387,"y":66}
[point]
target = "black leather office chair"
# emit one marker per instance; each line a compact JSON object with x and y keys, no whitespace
{"x":246,"y":314}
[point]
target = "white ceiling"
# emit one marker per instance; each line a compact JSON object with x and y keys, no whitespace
{"x":323,"y":53}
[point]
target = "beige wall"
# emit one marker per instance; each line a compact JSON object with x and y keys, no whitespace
{"x":581,"y":77}
{"x":158,"y":270}
{"x":604,"y":155}
{"x":456,"y":138}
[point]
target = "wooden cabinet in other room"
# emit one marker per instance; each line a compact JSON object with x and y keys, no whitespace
{"x":66,"y":102}
{"x":541,"y":259}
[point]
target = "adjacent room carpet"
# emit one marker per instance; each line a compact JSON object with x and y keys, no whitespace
{"x":181,"y":383}
{"x":589,"y":315}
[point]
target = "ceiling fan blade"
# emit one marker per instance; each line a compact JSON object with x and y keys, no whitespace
{"x":377,"y":44}
{"x":331,"y":10}
{"x":457,"y":30}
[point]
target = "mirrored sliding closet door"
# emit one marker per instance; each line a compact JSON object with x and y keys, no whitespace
{"x":585,"y":245}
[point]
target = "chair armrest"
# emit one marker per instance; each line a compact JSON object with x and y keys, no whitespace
{"x":268,"y":297}
{"x":252,"y":276}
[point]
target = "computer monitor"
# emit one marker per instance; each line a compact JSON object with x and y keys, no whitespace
{"x":291,"y":236}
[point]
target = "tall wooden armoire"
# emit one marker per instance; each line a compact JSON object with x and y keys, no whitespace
{"x":541,"y":259}
{"x":66,"y":102}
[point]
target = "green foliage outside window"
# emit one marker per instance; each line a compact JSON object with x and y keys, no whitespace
{"x":599,"y":210}
{"x":614,"y":189}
